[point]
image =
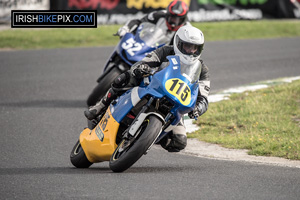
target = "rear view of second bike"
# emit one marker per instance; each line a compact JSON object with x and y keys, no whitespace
{"x":131,"y":48}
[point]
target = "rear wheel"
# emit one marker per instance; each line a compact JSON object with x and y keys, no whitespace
{"x":102,"y":87}
{"x":78,"y":157}
{"x":127,"y":153}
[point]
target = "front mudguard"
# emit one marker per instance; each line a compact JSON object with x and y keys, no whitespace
{"x":137,"y":124}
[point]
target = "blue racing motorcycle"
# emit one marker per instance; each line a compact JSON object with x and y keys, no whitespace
{"x":130,"y":49}
{"x":140,"y":117}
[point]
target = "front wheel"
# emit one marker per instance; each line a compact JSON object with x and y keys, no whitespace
{"x":78,"y":157}
{"x":102,"y":87}
{"x":126,"y":154}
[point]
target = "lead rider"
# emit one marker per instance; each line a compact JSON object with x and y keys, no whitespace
{"x":188,"y":45}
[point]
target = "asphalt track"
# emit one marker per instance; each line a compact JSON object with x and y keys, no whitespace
{"x":43,"y":95}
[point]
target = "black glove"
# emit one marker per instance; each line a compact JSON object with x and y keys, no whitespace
{"x":197,"y":112}
{"x":143,"y":70}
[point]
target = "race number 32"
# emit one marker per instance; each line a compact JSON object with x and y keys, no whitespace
{"x":179,"y":89}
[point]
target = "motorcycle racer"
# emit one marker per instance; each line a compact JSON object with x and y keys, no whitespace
{"x":169,"y":20}
{"x":163,"y":25}
{"x":188,"y":45}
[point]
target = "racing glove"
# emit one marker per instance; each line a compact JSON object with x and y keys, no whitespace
{"x":142,"y":70}
{"x":198,"y":111}
{"x":122,"y":31}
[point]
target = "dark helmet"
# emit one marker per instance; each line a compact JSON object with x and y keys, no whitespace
{"x":176,"y":14}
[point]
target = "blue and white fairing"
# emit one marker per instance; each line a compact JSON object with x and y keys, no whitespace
{"x":148,"y":37}
{"x":177,"y":82}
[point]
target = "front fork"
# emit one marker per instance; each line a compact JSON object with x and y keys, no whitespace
{"x":133,"y":131}
{"x":138,"y":120}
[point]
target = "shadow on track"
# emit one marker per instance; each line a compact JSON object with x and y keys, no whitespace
{"x":95,"y":170}
{"x":51,"y":170}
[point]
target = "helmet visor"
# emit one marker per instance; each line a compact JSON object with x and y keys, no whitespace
{"x":175,"y":21}
{"x":189,"y":48}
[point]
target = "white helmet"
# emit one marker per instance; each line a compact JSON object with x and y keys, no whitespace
{"x":188,"y":44}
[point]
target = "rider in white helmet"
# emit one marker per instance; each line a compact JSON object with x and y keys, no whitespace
{"x":188,"y":45}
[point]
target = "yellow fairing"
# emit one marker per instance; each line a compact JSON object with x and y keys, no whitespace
{"x":100,"y":143}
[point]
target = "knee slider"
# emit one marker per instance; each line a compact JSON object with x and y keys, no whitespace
{"x":179,"y":141}
{"x":174,"y":142}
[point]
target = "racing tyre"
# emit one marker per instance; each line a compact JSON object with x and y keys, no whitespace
{"x":126,"y":155}
{"x":103,"y":85}
{"x":78,"y":157}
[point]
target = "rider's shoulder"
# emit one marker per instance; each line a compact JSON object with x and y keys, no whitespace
{"x":155,"y":15}
{"x":164,"y":51}
{"x":204,"y":67}
{"x":161,"y":12}
{"x":168,"y":49}
{"x":187,"y":23}
{"x":202,"y":63}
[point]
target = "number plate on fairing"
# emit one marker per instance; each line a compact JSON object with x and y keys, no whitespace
{"x":131,"y":46}
{"x":179,"y":89}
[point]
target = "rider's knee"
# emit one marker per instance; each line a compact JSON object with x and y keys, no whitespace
{"x":179,"y":141}
{"x":175,"y":141}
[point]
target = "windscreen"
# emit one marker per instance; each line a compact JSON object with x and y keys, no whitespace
{"x":191,"y":72}
{"x":152,"y":35}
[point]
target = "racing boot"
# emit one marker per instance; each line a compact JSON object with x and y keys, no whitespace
{"x":94,"y":111}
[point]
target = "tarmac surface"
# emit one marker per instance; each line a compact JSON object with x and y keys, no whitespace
{"x":42,"y":99}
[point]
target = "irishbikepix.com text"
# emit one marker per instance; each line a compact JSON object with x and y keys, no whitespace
{"x":53,"y":19}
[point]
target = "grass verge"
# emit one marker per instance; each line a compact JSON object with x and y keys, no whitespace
{"x":102,"y":36}
{"x":266,"y":121}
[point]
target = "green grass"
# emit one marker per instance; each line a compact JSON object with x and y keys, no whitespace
{"x":249,"y":29}
{"x":102,"y":36}
{"x":57,"y":38}
{"x":267,"y":122}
